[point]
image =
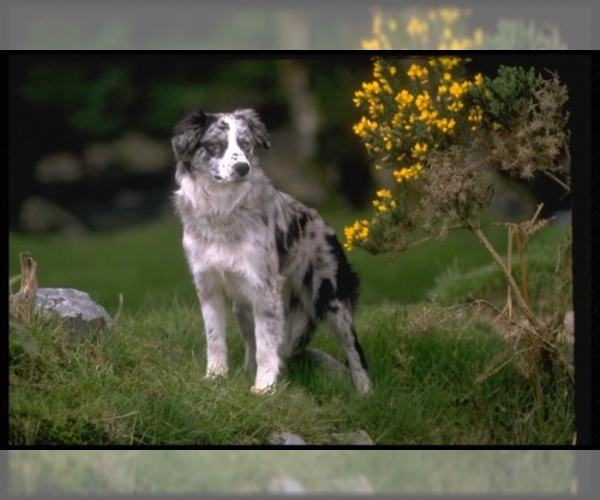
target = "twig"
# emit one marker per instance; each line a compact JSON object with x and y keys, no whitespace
{"x":28,"y":288}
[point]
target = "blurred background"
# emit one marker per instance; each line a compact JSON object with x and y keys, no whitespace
{"x":280,"y":25}
{"x":91,"y":169}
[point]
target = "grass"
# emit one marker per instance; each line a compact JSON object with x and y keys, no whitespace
{"x":147,"y":263}
{"x":437,"y":378}
{"x":249,"y":471}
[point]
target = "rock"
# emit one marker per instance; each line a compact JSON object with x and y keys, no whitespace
{"x":39,"y":216}
{"x":80,"y":314}
{"x":359,"y":437}
{"x":352,"y":484}
{"x":141,"y":154}
{"x":58,"y":168}
{"x":326,"y":361}
{"x":134,"y":152}
{"x":284,"y":438}
{"x":285,"y":485}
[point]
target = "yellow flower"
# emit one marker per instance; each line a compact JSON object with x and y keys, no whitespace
{"x":382,"y":208}
{"x":384,"y":193}
{"x":392,"y":70}
{"x":478,"y":79}
{"x":448,"y":62}
{"x":496,"y":126}
{"x":415,"y":71}
{"x":442,"y":89}
{"x":456,"y":89}
{"x":404,"y":98}
{"x":377,"y":167}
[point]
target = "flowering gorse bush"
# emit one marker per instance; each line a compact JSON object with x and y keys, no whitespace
{"x":440,"y":133}
{"x":414,"y":115}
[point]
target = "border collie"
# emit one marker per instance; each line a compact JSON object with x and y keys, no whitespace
{"x":278,"y":261}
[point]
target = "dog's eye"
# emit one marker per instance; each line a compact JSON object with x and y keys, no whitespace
{"x":213,"y":147}
{"x":244,"y":143}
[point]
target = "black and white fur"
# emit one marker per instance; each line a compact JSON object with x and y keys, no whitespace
{"x":279,"y":262}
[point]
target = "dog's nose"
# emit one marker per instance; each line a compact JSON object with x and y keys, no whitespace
{"x":241,"y":169}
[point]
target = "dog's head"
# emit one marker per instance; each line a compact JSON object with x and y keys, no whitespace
{"x":221,"y":145}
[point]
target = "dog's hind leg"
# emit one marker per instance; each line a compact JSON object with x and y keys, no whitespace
{"x":245,"y":322}
{"x":340,"y":321}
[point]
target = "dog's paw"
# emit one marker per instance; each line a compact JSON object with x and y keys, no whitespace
{"x":214,"y":377}
{"x":262,"y":390}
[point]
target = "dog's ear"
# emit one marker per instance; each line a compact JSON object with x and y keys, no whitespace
{"x":188,"y":133}
{"x":256,"y":126}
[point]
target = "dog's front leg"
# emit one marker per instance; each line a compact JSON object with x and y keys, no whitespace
{"x":212,"y":303}
{"x":269,"y":327}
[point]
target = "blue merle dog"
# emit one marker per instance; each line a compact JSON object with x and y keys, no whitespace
{"x":278,"y":261}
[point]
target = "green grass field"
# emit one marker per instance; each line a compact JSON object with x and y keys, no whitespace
{"x":142,"y":383}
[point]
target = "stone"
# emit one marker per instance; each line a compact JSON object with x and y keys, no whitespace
{"x":284,"y":438}
{"x":80,"y":314}
{"x":42,"y":217}
{"x":285,"y":485}
{"x":359,"y":437}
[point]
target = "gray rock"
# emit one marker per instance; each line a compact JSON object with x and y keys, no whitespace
{"x":80,"y":314}
{"x":285,"y":485}
{"x":39,"y":216}
{"x":58,"y":168}
{"x":352,"y":484}
{"x":359,"y":437}
{"x":284,"y":438}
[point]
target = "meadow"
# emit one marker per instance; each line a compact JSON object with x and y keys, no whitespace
{"x":441,"y":375}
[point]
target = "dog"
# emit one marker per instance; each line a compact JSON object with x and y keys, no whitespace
{"x":277,"y":259}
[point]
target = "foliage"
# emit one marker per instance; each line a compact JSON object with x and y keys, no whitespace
{"x":435,"y":129}
{"x":440,"y":133}
{"x":446,"y":29}
{"x":96,"y":103}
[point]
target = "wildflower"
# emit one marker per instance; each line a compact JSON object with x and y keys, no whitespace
{"x":415,"y":71}
{"x":384,"y":193}
{"x":496,"y":126}
{"x":448,"y":62}
{"x":404,"y":98}
{"x":392,"y":70}
{"x":478,"y":79}
{"x":456,"y":89}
